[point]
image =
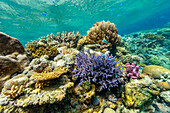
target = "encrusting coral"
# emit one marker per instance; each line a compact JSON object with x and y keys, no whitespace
{"x":103,"y":33}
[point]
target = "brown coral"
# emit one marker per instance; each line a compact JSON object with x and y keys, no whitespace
{"x":51,"y":75}
{"x":68,"y":39}
{"x":103,"y":33}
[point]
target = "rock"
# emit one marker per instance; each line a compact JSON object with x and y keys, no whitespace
{"x":166,"y":96}
{"x":109,"y":110}
{"x":95,"y":100}
{"x":8,"y":66}
{"x":156,"y":71}
{"x":23,"y":60}
{"x":9,"y":45}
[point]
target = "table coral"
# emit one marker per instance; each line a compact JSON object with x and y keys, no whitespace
{"x":51,"y":75}
{"x":103,"y":33}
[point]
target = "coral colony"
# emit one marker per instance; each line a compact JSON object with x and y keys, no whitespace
{"x":102,"y":70}
{"x":132,"y":70}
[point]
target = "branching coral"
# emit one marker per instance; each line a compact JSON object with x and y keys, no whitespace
{"x":103,"y":33}
{"x":102,"y":70}
{"x":132,"y":70}
{"x":51,"y":51}
{"x":62,"y":39}
{"x":14,"y":92}
{"x":15,"y":86}
{"x":67,"y":39}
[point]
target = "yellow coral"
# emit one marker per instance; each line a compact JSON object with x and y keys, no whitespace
{"x":31,"y":48}
{"x":87,"y":96}
{"x":51,"y":51}
{"x":51,"y":75}
{"x":14,"y":92}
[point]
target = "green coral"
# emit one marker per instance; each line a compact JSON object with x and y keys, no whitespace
{"x":154,"y":60}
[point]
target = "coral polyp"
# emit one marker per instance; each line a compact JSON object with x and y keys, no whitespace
{"x":102,"y":70}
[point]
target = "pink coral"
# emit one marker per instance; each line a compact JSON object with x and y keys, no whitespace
{"x":132,"y":70}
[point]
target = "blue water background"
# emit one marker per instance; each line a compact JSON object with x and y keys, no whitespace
{"x":30,"y":19}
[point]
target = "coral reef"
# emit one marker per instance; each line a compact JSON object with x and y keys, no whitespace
{"x":103,"y":33}
{"x":152,"y":36}
{"x":62,"y":39}
{"x":132,"y":70}
{"x":137,"y":94}
{"x":152,"y":47}
{"x":51,"y":75}
{"x":62,"y":79}
{"x":130,"y":59}
{"x":102,"y":70}
{"x":51,"y":51}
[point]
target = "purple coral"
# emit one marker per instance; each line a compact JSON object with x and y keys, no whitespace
{"x":101,"y":70}
{"x":132,"y":70}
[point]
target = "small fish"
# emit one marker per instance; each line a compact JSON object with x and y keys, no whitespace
{"x":105,"y":41}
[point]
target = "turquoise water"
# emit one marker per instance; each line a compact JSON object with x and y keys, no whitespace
{"x":30,"y":19}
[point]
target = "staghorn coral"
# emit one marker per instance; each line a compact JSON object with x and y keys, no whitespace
{"x":103,"y":70}
{"x":103,"y":33}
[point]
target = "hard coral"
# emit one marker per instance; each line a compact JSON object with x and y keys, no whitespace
{"x":51,"y":75}
{"x":103,"y":70}
{"x":51,"y":51}
{"x":68,"y":39}
{"x":103,"y":33}
{"x":132,"y":70}
{"x":152,"y":36}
